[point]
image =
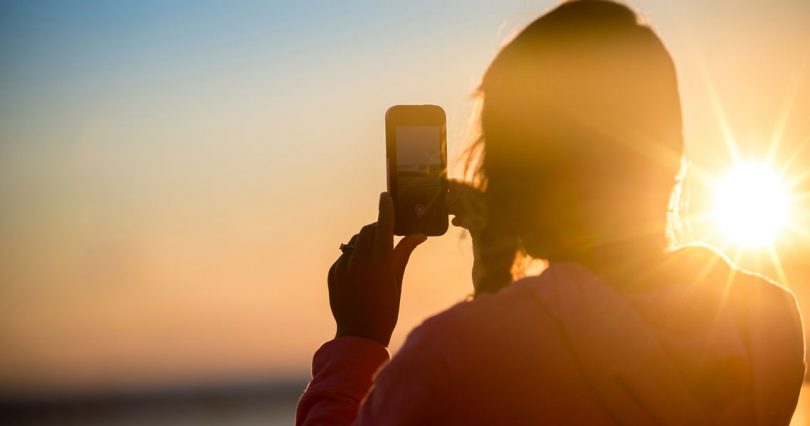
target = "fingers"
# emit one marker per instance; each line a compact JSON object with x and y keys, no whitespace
{"x":364,"y":243}
{"x":377,"y":238}
{"x":465,"y":203}
{"x":343,"y":260}
{"x":402,"y":252}
{"x":454,"y":185}
{"x":330,"y":276}
{"x":451,"y":199}
{"x":459,"y":197}
{"x":352,"y":240}
{"x":384,"y":233}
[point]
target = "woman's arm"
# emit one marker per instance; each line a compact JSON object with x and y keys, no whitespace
{"x":342,"y":372}
{"x":409,"y":390}
{"x":365,"y":285}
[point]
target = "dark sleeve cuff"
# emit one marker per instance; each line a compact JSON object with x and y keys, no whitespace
{"x":342,"y":373}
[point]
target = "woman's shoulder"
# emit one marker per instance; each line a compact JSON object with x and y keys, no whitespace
{"x":506,"y":319}
{"x":527,"y":299}
{"x":703,"y":264}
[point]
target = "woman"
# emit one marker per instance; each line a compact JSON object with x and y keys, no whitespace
{"x":580,"y":150}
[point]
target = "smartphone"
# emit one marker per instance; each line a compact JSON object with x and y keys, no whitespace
{"x":416,"y":150}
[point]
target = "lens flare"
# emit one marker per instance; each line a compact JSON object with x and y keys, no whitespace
{"x":751,"y":205}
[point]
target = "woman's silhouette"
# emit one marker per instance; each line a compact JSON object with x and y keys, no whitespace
{"x":580,"y":151}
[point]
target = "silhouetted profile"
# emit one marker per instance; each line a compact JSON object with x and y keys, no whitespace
{"x":580,"y":150}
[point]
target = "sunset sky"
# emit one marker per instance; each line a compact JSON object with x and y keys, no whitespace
{"x":176,"y":176}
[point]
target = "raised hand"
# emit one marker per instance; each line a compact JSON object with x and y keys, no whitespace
{"x":365,"y":282}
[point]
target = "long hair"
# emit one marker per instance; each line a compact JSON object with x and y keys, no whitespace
{"x":580,"y":138}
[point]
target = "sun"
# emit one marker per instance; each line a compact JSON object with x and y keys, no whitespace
{"x":751,"y":205}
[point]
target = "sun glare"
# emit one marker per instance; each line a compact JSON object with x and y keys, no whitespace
{"x":751,"y":205}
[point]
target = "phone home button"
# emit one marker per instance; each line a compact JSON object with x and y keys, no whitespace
{"x":419,"y":209}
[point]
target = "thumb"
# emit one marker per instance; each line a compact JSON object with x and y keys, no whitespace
{"x":402,"y":252}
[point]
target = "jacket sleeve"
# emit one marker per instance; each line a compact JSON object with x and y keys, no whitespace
{"x":409,"y":390}
{"x":412,"y":388}
{"x":342,"y":372}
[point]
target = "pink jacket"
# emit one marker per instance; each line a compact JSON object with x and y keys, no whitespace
{"x":725,"y":347}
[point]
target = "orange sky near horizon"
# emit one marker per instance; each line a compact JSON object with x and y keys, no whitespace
{"x":175,"y":180}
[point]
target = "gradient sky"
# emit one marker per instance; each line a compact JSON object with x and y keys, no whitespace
{"x":176,"y":176}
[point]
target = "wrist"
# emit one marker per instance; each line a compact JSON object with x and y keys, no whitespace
{"x":382,"y":338}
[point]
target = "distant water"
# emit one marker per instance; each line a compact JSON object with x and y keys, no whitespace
{"x":272,"y":404}
{"x":240,"y":405}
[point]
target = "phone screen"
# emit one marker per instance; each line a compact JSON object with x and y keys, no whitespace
{"x":417,"y":169}
{"x":419,"y":165}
